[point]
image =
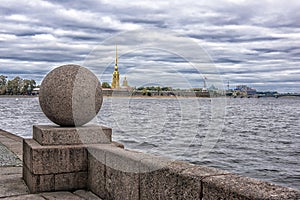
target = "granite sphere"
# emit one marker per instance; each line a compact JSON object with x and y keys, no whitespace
{"x":70,"y":95}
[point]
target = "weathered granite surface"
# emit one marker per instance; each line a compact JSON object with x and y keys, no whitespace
{"x":7,"y":158}
{"x":12,"y":186}
{"x":56,"y":135}
{"x":54,"y":159}
{"x":54,"y":167}
{"x":70,"y":95}
{"x":11,"y":182}
{"x":115,"y":173}
{"x":12,"y":142}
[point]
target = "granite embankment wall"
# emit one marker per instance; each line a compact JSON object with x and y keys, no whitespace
{"x":115,"y":173}
{"x":56,"y":159}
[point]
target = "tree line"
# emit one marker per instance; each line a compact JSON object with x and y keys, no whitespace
{"x":155,"y":88}
{"x":16,"y":86}
{"x":147,"y":88}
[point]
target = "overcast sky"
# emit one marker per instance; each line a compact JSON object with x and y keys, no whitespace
{"x":249,"y":42}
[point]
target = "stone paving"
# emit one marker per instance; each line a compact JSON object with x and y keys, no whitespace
{"x":12,"y":186}
{"x":7,"y":158}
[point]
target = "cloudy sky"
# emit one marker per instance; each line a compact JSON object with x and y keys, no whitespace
{"x":246,"y":42}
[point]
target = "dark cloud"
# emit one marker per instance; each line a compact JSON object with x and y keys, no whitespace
{"x":251,"y":42}
{"x":227,"y":60}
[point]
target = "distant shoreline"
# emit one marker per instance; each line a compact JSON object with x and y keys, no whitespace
{"x":149,"y":97}
{"x":137,"y":97}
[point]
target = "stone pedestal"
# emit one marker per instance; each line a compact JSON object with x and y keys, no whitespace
{"x":56,"y":158}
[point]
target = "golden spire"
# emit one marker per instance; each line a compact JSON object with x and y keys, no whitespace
{"x":116,"y":76}
{"x":116,"y":55}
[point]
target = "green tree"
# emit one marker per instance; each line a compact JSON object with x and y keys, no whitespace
{"x":9,"y":87}
{"x":166,"y":89}
{"x":28,"y":86}
{"x":145,"y":91}
{"x":105,"y":85}
{"x":158,"y":90}
{"x":15,"y":86}
{"x":3,"y":81}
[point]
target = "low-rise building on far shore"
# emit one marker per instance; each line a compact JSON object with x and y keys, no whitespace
{"x":243,"y":91}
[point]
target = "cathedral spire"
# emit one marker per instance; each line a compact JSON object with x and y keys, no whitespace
{"x":116,"y":55}
{"x":116,"y":76}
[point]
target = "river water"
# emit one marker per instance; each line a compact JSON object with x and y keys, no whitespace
{"x":259,"y":138}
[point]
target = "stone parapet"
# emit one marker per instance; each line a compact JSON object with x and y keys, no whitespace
{"x":115,"y":173}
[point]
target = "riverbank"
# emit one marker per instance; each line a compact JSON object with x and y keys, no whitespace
{"x":177,"y":179}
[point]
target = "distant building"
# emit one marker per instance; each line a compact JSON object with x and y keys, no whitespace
{"x":212,"y":88}
{"x":115,"y":84}
{"x":125,"y":82}
{"x":244,"y":90}
{"x":35,"y":91}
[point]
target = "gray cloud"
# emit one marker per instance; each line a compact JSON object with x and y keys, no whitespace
{"x":251,"y":42}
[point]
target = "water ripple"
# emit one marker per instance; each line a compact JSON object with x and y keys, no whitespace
{"x":260,"y":137}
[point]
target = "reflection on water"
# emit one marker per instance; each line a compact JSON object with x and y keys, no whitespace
{"x":260,"y":137}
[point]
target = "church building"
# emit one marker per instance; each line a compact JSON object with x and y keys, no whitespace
{"x":116,"y":75}
{"x":115,"y":84}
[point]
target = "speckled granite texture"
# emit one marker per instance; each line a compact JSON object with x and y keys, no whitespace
{"x":70,"y":95}
{"x":8,"y":158}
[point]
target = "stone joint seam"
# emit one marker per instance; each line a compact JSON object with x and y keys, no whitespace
{"x":201,"y":183}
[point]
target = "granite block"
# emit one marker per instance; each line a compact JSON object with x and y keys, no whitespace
{"x":27,"y":153}
{"x":25,"y":197}
{"x":121,"y":185}
{"x":11,"y":186}
{"x":86,"y":195}
{"x":71,"y":181}
{"x":162,"y":183}
{"x":38,"y":183}
{"x":60,"y":195}
{"x":56,"y":135}
{"x":54,"y":159}
{"x":243,"y":188}
{"x":96,"y":175}
{"x":173,"y":179}
{"x":10,"y":171}
{"x":117,"y":171}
